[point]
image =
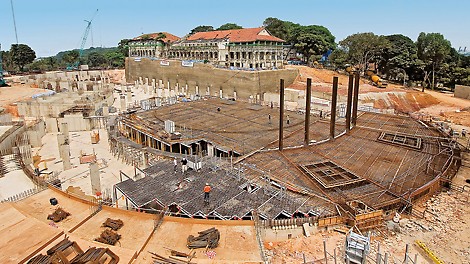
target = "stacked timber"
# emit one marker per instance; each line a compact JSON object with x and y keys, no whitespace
{"x":207,"y":239}
{"x":40,"y":259}
{"x":58,"y":215}
{"x":108,"y":237}
{"x":114,"y":224}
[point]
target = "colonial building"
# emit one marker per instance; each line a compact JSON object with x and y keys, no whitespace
{"x":152,"y":45}
{"x":247,"y":48}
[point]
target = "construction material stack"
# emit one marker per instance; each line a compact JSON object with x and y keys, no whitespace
{"x":58,"y":215}
{"x":207,"y":239}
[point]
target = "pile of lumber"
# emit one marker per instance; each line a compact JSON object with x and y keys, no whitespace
{"x":108,"y":237}
{"x":40,"y":259}
{"x":58,"y":215}
{"x":95,"y":255}
{"x":180,"y":258}
{"x":69,"y":252}
{"x":114,"y":224}
{"x":207,"y":239}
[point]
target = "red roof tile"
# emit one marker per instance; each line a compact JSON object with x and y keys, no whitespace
{"x":235,"y":35}
{"x":168,"y":37}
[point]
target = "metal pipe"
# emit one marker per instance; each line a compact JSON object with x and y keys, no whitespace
{"x":355,"y":99}
{"x":333,"y":107}
{"x":348,"y":104}
{"x":308,"y":100}
{"x":281,"y":114}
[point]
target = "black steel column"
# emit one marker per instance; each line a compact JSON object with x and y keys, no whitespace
{"x":334,"y":94}
{"x":355,"y":99}
{"x":308,"y":100}
{"x":281,"y":114}
{"x":348,"y":105}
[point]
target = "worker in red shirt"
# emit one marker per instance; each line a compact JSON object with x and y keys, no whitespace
{"x":207,"y":190}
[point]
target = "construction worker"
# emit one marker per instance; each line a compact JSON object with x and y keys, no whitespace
{"x":175,"y":164}
{"x":288,"y":119}
{"x":269,"y":117}
{"x":207,"y":190}
{"x":184,"y":165}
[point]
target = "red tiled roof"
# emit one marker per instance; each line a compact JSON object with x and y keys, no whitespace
{"x":235,"y":35}
{"x":168,"y":37}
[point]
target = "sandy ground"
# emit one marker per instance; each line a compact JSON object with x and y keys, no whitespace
{"x":15,"y":178}
{"x":16,"y":93}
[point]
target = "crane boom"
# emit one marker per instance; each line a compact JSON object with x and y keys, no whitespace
{"x":75,"y":65}
{"x":85,"y":35}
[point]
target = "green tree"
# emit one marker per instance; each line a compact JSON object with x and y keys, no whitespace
{"x":312,"y":46}
{"x":364,"y":48}
{"x":115,"y":59}
{"x":8,"y":64}
{"x":455,"y":70}
{"x":123,"y":47}
{"x":201,"y":29}
{"x":399,"y":57}
{"x":433,"y":49}
{"x":339,"y":57}
{"x":312,"y":41}
{"x":71,"y":56}
{"x":22,"y":54}
{"x":276,"y":27}
{"x":51,"y":62}
{"x":96,"y":59}
{"x":229,"y":26}
{"x":43,"y":64}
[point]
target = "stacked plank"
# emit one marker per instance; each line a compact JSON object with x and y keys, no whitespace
{"x":95,"y":255}
{"x":207,"y":239}
{"x":114,"y":224}
{"x":40,"y":259}
{"x":58,"y":215}
{"x":108,"y":237}
{"x":68,"y":252}
{"x":159,"y":259}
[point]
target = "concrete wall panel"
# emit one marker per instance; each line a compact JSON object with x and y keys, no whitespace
{"x":245,"y":83}
{"x":462,"y":91}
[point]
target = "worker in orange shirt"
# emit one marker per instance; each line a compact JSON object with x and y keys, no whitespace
{"x":207,"y":190}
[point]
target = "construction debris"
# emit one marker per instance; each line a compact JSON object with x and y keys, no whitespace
{"x":108,"y":237}
{"x":68,"y":252}
{"x":58,"y":215}
{"x":207,"y":239}
{"x":114,"y":224}
{"x":158,"y":259}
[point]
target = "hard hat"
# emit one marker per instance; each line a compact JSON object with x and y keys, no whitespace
{"x":207,"y":183}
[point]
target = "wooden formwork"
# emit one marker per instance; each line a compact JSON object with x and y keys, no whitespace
{"x":330,"y":221}
{"x":369,"y":220}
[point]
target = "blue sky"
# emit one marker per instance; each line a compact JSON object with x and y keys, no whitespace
{"x":50,"y":26}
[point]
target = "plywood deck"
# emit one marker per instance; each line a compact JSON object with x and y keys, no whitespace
{"x":22,"y":236}
{"x":237,"y":242}
{"x":136,"y":230}
{"x":39,"y":207}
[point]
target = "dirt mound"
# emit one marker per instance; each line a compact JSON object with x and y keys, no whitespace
{"x":405,"y":102}
{"x":322,"y":80}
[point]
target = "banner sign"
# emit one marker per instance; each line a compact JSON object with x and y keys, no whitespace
{"x":187,"y":63}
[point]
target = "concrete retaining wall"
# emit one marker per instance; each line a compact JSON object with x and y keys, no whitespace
{"x":245,"y":83}
{"x":462,"y":91}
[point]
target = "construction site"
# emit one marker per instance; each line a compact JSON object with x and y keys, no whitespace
{"x":309,"y":166}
